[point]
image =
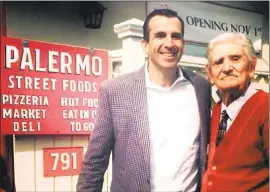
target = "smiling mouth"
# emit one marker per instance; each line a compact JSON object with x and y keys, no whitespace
{"x":168,"y":54}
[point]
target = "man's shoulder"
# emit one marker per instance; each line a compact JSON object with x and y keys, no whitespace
{"x":264,"y":95}
{"x":119,"y":81}
{"x":191,"y":74}
{"x":261,"y":98}
{"x":201,"y":81}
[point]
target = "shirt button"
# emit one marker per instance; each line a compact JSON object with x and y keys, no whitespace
{"x":214,"y":168}
{"x":210,"y":183}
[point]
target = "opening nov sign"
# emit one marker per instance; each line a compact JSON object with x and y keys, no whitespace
{"x":49,"y":88}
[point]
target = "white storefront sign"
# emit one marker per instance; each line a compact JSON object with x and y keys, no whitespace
{"x":203,"y":21}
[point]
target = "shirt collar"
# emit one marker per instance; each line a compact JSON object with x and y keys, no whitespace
{"x":234,"y":108}
{"x":151,"y":84}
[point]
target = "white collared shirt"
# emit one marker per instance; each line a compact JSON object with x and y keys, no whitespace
{"x":234,"y":108}
{"x":174,"y":124}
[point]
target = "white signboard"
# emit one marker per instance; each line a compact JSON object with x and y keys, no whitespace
{"x":203,"y":21}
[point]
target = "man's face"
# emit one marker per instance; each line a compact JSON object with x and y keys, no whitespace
{"x":229,"y":67}
{"x":165,"y":45}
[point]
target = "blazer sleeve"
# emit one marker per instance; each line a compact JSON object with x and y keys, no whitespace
{"x":101,"y":142}
{"x":210,"y":107}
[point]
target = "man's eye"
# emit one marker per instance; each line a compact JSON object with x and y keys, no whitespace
{"x":235,"y":58}
{"x":218,"y":62}
{"x":177,"y":36}
{"x":159,"y":35}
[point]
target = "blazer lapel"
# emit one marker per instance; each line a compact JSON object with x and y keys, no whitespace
{"x":141,"y":116}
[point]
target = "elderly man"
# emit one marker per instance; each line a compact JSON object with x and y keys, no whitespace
{"x":239,"y":151}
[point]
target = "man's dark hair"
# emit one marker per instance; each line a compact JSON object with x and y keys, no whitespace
{"x":161,"y":12}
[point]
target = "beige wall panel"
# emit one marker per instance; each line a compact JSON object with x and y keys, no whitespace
{"x":24,"y":164}
{"x":63,"y":183}
{"x":43,"y":183}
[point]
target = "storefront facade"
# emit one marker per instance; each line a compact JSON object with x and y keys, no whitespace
{"x":119,"y":35}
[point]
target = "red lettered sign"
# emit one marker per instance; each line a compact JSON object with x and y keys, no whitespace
{"x":63,"y":161}
{"x":49,"y":88}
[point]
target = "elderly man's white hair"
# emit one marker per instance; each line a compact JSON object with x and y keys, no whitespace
{"x":236,"y":38}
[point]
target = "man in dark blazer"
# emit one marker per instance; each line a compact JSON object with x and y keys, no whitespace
{"x":155,"y":121}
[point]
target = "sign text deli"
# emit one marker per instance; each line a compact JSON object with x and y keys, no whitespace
{"x":49,"y":88}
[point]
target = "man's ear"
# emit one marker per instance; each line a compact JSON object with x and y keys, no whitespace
{"x":144,"y":45}
{"x":252,"y":66}
{"x":209,"y":74}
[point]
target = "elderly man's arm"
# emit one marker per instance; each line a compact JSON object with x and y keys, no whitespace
{"x":97,"y":157}
{"x":265,"y":137}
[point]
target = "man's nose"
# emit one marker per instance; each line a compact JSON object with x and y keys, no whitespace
{"x":227,"y":65}
{"x":169,"y":42}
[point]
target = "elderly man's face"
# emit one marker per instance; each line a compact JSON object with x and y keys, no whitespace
{"x":229,"y":67}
